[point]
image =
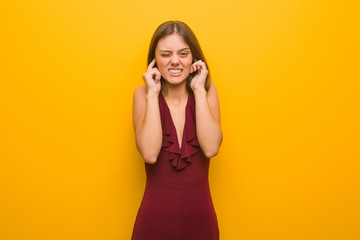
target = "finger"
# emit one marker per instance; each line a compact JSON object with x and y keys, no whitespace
{"x":196,"y":67}
{"x":152,"y":71}
{"x":149,"y":75}
{"x":158,"y":78}
{"x":156,"y":74}
{"x":203,"y":66}
{"x":151,"y":65}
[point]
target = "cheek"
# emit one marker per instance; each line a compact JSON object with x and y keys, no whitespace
{"x":188,"y":63}
{"x":161,"y":63}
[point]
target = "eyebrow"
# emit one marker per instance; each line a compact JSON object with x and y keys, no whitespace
{"x":177,"y":51}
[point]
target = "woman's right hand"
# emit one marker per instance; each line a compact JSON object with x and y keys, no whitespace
{"x":152,"y":78}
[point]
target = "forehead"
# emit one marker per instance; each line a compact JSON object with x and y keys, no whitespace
{"x":172,"y":42}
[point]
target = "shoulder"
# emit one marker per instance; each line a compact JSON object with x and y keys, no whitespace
{"x":213,"y":101}
{"x":139,"y":96}
{"x":212,"y":92}
{"x":212,"y":87}
{"x":139,"y":99}
{"x":140,"y":91}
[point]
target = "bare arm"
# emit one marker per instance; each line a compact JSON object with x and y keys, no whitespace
{"x":208,"y":127}
{"x":146,"y":116}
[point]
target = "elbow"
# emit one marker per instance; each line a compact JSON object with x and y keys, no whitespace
{"x":149,"y":158}
{"x":211,"y":152}
{"x":147,"y":155}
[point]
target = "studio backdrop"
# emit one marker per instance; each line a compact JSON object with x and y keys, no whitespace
{"x":288,"y":84}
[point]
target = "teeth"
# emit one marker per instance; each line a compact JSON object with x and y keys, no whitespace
{"x":174,"y":71}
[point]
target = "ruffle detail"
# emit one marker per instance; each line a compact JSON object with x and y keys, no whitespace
{"x":179,"y":158}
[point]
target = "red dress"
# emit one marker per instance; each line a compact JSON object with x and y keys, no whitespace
{"x":177,"y":203}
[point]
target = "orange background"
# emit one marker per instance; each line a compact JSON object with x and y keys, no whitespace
{"x":287,"y":74}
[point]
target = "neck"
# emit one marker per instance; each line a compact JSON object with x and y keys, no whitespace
{"x":176,"y":93}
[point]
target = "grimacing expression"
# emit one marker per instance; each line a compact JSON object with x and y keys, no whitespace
{"x":173,"y":58}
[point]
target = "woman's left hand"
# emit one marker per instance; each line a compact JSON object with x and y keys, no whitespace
{"x":198,"y":81}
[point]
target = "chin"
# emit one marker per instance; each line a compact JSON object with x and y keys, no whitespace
{"x":175,"y":80}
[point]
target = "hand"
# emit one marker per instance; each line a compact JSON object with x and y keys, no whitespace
{"x":152,"y":78}
{"x":198,"y":81}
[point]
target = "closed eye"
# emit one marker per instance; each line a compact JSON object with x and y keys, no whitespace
{"x":184,"y":54}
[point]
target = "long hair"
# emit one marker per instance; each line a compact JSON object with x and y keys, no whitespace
{"x":168,"y":28}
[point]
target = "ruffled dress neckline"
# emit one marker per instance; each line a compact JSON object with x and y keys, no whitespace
{"x":173,"y":124}
{"x":179,"y":158}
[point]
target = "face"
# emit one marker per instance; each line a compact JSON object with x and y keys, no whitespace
{"x":173,"y":58}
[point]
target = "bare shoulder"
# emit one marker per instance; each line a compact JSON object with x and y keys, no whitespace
{"x":139,"y":97}
{"x":212,"y":92}
{"x":140,"y":91}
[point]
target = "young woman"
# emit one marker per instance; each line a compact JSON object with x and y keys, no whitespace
{"x":176,"y":119}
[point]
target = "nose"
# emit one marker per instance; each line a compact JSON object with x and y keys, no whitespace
{"x":174,"y":60}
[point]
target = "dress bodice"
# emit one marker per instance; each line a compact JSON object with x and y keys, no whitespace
{"x":188,"y":162}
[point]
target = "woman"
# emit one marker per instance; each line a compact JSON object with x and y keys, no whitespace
{"x":176,"y":118}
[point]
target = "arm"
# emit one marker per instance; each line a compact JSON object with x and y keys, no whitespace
{"x":146,"y":116}
{"x":208,"y":127}
{"x":147,"y":124}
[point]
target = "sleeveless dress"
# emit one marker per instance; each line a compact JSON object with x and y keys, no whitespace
{"x":177,"y":203}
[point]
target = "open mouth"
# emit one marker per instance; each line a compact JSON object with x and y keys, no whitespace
{"x":175,"y":70}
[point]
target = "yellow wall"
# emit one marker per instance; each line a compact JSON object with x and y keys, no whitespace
{"x":288,"y":81}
